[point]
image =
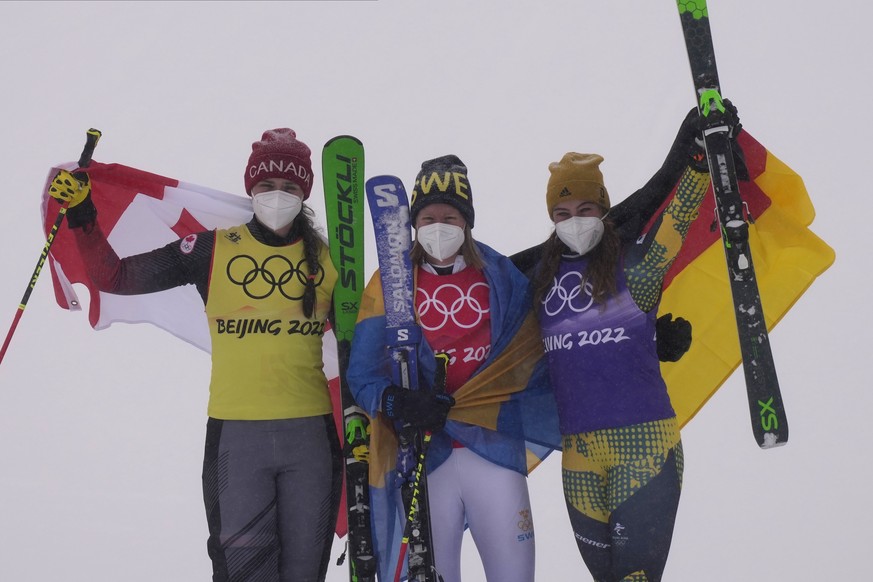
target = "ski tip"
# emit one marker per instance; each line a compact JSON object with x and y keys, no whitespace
{"x":384,"y":179}
{"x":343,"y":137}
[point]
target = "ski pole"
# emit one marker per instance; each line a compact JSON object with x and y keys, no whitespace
{"x":413,"y":505}
{"x":439,"y":385}
{"x":93,"y":136}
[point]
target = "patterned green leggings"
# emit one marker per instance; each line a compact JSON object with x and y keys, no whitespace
{"x":622,"y":490}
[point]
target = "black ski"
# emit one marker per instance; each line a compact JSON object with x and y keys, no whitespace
{"x":769,"y":422}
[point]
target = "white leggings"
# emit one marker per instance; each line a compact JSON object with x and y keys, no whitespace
{"x":494,"y":502}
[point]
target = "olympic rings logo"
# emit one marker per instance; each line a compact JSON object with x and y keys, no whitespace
{"x":567,"y":293}
{"x":451,"y":302}
{"x":276,"y":272}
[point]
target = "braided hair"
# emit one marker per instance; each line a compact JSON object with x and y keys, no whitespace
{"x":304,"y":227}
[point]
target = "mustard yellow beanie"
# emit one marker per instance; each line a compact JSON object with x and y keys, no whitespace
{"x":576,"y":177}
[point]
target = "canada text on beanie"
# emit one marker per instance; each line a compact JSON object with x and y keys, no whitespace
{"x":280,"y":154}
{"x":443,"y":180}
{"x":576,"y":177}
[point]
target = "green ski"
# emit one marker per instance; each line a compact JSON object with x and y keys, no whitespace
{"x":343,"y":174}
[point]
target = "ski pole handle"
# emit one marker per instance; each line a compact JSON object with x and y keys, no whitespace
{"x":93,"y":136}
{"x":442,"y":370}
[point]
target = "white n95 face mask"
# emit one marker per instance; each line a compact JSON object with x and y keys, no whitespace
{"x":580,"y":233}
{"x":276,"y":209}
{"x":439,"y":240}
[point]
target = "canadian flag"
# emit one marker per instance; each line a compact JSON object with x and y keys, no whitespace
{"x":140,"y":211}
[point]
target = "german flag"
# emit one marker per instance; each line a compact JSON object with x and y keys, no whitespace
{"x":787,"y":258}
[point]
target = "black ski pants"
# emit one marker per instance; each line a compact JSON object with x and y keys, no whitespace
{"x":271,"y":489}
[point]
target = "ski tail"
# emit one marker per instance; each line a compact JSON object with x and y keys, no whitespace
{"x":767,"y":411}
{"x":415,"y":517}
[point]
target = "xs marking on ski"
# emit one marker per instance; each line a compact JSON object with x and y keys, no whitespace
{"x":769,"y":419}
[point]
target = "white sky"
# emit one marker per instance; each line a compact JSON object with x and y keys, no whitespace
{"x":101,"y":433}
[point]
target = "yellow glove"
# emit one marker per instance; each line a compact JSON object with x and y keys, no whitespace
{"x":72,"y":188}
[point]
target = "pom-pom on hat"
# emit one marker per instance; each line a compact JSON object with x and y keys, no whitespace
{"x":280,"y":155}
{"x":443,"y":180}
{"x":576,"y":177}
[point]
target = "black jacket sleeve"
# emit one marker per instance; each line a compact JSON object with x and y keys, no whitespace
{"x":632,"y":214}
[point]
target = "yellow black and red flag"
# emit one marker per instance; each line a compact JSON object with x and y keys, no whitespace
{"x":787,"y":259}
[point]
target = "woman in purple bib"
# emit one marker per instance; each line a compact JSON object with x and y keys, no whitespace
{"x":597,"y":301}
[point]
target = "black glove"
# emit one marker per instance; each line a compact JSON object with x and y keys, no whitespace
{"x":691,"y":133}
{"x":420,"y":408}
{"x":673,"y":337}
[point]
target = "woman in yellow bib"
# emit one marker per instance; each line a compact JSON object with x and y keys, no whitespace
{"x":272,"y":465}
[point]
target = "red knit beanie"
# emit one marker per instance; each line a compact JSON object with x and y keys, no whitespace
{"x":280,"y":155}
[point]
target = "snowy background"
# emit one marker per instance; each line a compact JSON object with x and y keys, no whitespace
{"x":101,"y":433}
